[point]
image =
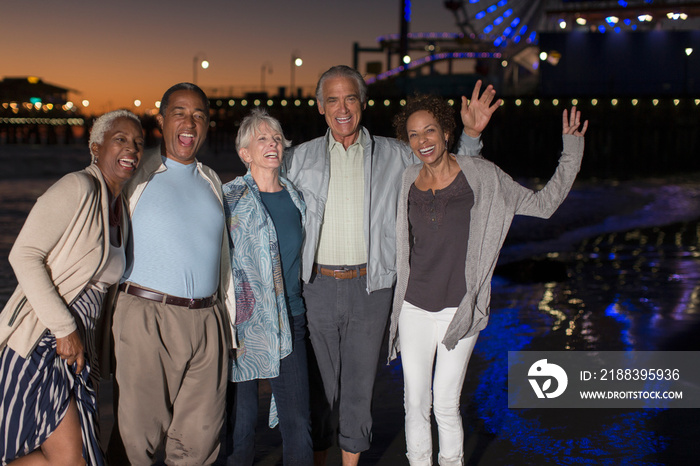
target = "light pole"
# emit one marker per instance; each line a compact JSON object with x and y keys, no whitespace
{"x":296,"y":61}
{"x":197,"y":61}
{"x":266,"y":68}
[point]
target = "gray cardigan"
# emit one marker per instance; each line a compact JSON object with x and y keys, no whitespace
{"x":497,"y":198}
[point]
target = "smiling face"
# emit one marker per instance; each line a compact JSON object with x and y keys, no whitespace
{"x":342,"y":108}
{"x":119,"y":153}
{"x":264,"y":152}
{"x":184,"y":126}
{"x":426,"y":137}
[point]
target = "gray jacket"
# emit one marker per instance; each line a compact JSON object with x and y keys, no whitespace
{"x":497,"y":199}
{"x":307,"y":166}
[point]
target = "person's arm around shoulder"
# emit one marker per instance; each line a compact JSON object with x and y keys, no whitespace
{"x":476,"y":114}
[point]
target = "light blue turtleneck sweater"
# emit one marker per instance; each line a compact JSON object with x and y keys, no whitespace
{"x":175,"y":242}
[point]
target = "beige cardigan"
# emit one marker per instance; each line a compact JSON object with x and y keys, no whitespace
{"x":63,"y":243}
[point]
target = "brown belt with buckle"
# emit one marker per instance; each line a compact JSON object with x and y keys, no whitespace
{"x":199,"y":303}
{"x":341,"y":274}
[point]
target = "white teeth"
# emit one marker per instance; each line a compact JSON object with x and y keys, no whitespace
{"x":271,"y":154}
{"x":427,"y":149}
{"x":343,"y":120}
{"x":187,"y":135}
{"x":128,"y":162}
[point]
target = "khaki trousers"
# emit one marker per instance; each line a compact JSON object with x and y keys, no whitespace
{"x":171,"y":371}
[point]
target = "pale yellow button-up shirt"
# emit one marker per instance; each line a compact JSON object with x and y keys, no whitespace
{"x":342,"y":238}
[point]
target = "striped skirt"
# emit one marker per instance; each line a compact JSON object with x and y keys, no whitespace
{"x":35,"y":392}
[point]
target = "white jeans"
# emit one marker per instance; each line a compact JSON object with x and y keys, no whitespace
{"x":420,"y":336}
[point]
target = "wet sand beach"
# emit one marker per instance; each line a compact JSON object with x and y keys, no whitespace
{"x":617,"y":268}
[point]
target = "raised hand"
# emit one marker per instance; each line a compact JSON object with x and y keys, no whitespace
{"x":570,"y":124}
{"x":476,"y":112}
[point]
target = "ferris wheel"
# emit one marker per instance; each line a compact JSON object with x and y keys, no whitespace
{"x":503,"y":36}
{"x":490,"y":29}
{"x":506,"y":23}
{"x":503,"y":24}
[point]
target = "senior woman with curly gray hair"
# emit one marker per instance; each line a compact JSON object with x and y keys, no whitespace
{"x":68,"y":253}
{"x":265,"y":217}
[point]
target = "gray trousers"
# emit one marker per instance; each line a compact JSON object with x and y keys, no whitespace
{"x":171,"y":371}
{"x":346,"y":328}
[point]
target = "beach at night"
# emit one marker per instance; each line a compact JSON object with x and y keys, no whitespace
{"x":614,"y":273}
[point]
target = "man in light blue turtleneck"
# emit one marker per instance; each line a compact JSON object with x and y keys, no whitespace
{"x":171,"y":328}
{"x":172,"y":256}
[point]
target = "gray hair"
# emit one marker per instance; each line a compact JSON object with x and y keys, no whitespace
{"x":342,"y":71}
{"x":250,"y":125}
{"x":104,"y":123}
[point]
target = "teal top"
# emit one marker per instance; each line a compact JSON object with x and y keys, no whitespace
{"x":287,"y":220}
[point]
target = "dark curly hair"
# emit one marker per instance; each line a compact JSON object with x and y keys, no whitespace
{"x":443,"y":113}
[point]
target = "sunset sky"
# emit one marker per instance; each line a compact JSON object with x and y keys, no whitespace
{"x":115,"y":52}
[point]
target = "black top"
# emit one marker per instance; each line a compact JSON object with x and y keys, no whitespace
{"x":439,"y":228}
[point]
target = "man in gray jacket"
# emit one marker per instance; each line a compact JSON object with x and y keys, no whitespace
{"x":350,"y":181}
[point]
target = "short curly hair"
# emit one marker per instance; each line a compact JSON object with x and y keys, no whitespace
{"x":443,"y":113}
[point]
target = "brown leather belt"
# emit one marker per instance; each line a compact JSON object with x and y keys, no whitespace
{"x":341,"y":274}
{"x":199,"y":303}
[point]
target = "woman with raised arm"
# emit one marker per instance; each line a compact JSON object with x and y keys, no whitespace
{"x":453,"y":216}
